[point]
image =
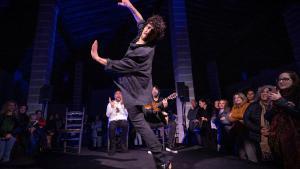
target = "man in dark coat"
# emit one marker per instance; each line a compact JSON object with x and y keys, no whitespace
{"x":135,"y":77}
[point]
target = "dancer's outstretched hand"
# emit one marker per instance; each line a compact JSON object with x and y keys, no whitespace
{"x":95,"y":55}
{"x":94,"y":50}
{"x":125,"y":3}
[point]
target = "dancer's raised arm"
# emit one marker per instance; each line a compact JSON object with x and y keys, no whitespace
{"x":137,"y":15}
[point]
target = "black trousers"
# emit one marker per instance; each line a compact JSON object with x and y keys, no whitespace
{"x":113,"y":125}
{"x":172,"y":132}
{"x":136,"y":116}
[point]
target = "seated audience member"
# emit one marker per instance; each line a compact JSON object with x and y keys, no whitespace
{"x":239,"y":107}
{"x":258,"y":126}
{"x":40,"y":118}
{"x":284,"y":120}
{"x":34,"y":136}
{"x":59,"y":122}
{"x":213,"y":127}
{"x":8,"y":130}
{"x":97,"y":132}
{"x":117,"y":117}
{"x":216,"y":106}
{"x":23,"y":120}
{"x":56,"y":141}
{"x":204,"y":116}
{"x":193,"y":123}
{"x":42,"y":128}
{"x":51,"y":130}
{"x":250,"y":94}
{"x":223,"y":126}
{"x":37,"y":132}
{"x":236,"y":115}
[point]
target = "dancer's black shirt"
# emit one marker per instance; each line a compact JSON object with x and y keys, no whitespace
{"x":135,"y":72}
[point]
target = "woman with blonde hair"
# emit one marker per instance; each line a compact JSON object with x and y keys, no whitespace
{"x":239,"y":131}
{"x":240,"y":104}
{"x":223,"y":126}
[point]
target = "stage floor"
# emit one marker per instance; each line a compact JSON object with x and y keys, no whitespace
{"x":187,"y":158}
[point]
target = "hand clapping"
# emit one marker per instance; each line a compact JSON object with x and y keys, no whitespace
{"x":275,"y":96}
{"x":112,"y":103}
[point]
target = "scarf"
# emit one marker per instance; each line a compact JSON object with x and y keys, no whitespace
{"x":264,"y":142}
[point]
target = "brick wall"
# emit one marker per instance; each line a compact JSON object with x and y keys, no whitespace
{"x":181,"y":57}
{"x":42,"y":52}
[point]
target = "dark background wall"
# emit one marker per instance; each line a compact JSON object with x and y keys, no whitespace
{"x":248,"y":40}
{"x":18,"y":22}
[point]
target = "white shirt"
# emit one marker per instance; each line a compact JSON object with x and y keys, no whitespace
{"x":113,"y":114}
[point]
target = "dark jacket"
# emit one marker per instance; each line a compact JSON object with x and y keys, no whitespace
{"x":252,"y":120}
{"x":8,"y":125}
{"x":283,"y":105}
{"x":284,"y":119}
{"x":203,"y":113}
{"x":192,"y":115}
{"x":23,"y":121}
{"x":134,"y":72}
{"x":206,"y":113}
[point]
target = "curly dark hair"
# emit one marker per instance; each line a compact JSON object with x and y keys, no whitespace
{"x":159,"y":27}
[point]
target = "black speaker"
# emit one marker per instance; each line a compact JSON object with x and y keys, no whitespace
{"x":45,"y":93}
{"x":183,"y":92}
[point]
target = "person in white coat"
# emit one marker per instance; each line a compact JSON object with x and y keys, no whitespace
{"x":117,"y":118}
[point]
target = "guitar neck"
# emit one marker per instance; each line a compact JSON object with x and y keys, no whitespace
{"x":167,"y":98}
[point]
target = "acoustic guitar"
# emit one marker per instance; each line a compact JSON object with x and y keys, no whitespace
{"x":154,"y":109}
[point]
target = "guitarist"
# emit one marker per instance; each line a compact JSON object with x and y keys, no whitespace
{"x":157,"y":116}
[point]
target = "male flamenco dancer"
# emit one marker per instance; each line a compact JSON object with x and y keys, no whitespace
{"x":135,"y":76}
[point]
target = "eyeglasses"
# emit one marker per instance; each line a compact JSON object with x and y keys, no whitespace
{"x":285,"y":79}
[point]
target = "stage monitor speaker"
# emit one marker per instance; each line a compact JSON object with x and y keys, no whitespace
{"x":183,"y":92}
{"x":45,"y":93}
